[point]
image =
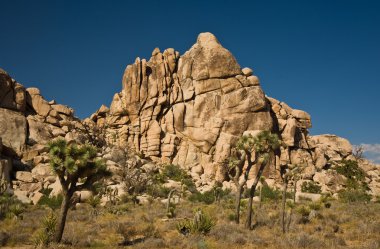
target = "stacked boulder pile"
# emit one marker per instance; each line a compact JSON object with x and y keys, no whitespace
{"x":27,"y":123}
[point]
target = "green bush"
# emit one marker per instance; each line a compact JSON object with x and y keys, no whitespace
{"x":157,"y":190}
{"x":315,"y":206}
{"x":304,"y":211}
{"x":207,"y":197}
{"x":190,"y":185}
{"x":53,"y":202}
{"x":173,"y":172}
{"x":94,"y":201}
{"x":267,"y":193}
{"x":200,"y":224}
{"x":10,"y":207}
{"x":354,"y":195}
{"x":356,"y":187}
{"x":170,"y":172}
{"x":310,"y":187}
{"x":210,"y":196}
{"x":350,"y":169}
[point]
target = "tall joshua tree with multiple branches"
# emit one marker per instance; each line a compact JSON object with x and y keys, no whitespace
{"x":261,"y":147}
{"x":250,"y":151}
{"x":77,"y":168}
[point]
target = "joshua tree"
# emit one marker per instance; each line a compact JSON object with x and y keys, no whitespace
{"x":262,"y":146}
{"x":291,"y":173}
{"x":77,"y":168}
{"x":169,"y":206}
{"x":235,"y":170}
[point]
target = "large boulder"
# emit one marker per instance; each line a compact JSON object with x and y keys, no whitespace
{"x":39,"y":104}
{"x":12,"y":94}
{"x":13,"y":131}
{"x":208,"y":59}
{"x":333,"y":142}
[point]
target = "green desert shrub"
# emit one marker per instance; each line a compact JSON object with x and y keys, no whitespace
{"x":267,"y":193}
{"x":303,"y":210}
{"x":158,"y":190}
{"x":200,"y":224}
{"x":54,"y":202}
{"x":354,"y":195}
{"x":207,"y":197}
{"x":10,"y":207}
{"x":173,"y":172}
{"x":350,"y":169}
{"x":310,"y":187}
{"x":356,"y":187}
{"x":315,"y":206}
{"x":94,"y":201}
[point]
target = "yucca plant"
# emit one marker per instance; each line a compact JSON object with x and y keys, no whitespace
{"x":200,"y":224}
{"x":45,"y":236}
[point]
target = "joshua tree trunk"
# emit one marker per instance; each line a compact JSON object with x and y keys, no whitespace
{"x":62,"y":217}
{"x":237,"y":204}
{"x":294,"y":202}
{"x":284,"y":203}
{"x":261,"y":195}
{"x":169,"y":198}
{"x":252,"y":194}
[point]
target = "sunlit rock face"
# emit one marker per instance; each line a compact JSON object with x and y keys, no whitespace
{"x":188,"y":109}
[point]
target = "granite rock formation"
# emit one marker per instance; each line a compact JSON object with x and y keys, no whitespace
{"x":190,"y":109}
{"x":185,"y":109}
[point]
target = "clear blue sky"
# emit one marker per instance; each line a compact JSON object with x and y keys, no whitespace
{"x":319,"y":56}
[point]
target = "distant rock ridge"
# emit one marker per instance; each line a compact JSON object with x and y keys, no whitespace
{"x":185,"y":109}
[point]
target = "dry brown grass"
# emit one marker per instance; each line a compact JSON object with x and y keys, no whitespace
{"x":341,"y":226}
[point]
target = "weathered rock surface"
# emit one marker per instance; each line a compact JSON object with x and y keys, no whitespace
{"x":27,"y":123}
{"x":187,"y":109}
{"x":13,"y":131}
{"x":12,"y":94}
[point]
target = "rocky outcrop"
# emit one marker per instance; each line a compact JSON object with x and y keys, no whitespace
{"x":13,"y":131}
{"x":12,"y":94}
{"x":190,"y":109}
{"x":27,"y":123}
{"x":187,"y":109}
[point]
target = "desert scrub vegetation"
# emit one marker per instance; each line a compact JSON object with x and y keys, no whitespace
{"x":182,"y":217}
{"x":356,"y":187}
{"x":310,"y":187}
{"x":343,"y":225}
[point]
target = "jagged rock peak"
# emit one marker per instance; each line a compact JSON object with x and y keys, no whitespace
{"x":207,"y":39}
{"x":207,"y":58}
{"x":2,"y":71}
